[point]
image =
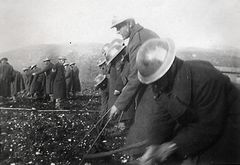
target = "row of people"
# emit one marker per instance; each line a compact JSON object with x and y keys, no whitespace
{"x":186,"y":111}
{"x":53,"y":81}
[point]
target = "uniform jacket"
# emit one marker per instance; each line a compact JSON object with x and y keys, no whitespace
{"x":76,"y":80}
{"x":38,"y":82}
{"x":49,"y":82}
{"x":17,"y":84}
{"x":6,"y":76}
{"x":205,"y":106}
{"x":69,"y":78}
{"x":137,"y":37}
{"x":59,"y":83}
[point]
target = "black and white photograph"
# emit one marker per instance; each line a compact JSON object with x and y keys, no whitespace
{"x":119,"y":82}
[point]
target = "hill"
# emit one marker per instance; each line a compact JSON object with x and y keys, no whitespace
{"x":86,"y":55}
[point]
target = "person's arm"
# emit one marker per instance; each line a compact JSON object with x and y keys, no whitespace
{"x":133,"y":83}
{"x":211,"y":112}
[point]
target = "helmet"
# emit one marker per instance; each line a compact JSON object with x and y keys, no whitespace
{"x":105,"y":48}
{"x":65,"y":64}
{"x":72,"y":63}
{"x":33,"y":66}
{"x":62,"y":58}
{"x":99,"y":79}
{"x":101,"y":62}
{"x":154,"y":59}
{"x":46,"y":59}
{"x":117,"y":20}
{"x":113,"y":52}
{"x":117,"y":41}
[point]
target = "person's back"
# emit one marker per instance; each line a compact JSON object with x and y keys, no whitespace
{"x":6,"y":76}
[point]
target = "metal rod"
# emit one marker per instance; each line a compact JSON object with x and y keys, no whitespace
{"x":91,"y":146}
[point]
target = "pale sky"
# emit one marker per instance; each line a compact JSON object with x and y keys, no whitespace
{"x":190,"y":23}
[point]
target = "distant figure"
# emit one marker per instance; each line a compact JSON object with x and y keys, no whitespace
{"x":38,"y":83}
{"x":68,"y":78}
{"x":6,"y":77}
{"x":48,"y":81}
{"x":59,"y":83}
{"x":76,"y":81}
{"x":17,"y":84}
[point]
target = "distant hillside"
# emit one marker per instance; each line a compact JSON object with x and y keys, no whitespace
{"x":228,"y":57}
{"x":84,"y":55}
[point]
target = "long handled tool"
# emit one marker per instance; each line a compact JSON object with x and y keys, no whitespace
{"x":91,"y":146}
{"x":94,"y":126}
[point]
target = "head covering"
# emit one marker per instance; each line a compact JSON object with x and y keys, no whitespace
{"x":101,"y":62}
{"x":33,"y":66}
{"x":25,"y":68}
{"x":72,"y":63}
{"x":4,"y":59}
{"x":154,"y":59}
{"x":46,"y":59}
{"x":65,"y":64}
{"x":117,"y":20}
{"x":114,"y":51}
{"x":62,"y":58}
{"x":99,"y":79}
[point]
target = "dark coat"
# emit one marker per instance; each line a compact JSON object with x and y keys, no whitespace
{"x":69,"y":78}
{"x":59,"y":83}
{"x":205,"y":106}
{"x":48,"y":82}
{"x":38,"y":82}
{"x":17,"y":84}
{"x":6,"y":77}
{"x":76,"y":81}
{"x":137,"y":37}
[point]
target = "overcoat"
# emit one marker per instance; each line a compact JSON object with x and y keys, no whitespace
{"x":6,"y":77}
{"x":38,"y":82}
{"x":76,"y":80}
{"x":137,"y":37}
{"x":69,"y":79}
{"x":59,"y":83}
{"x":17,"y":84}
{"x":47,"y":69}
{"x":204,"y":105}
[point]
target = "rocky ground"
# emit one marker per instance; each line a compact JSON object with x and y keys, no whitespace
{"x":32,"y":132}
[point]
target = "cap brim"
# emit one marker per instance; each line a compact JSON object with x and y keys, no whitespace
{"x":163,"y":69}
{"x":115,"y":55}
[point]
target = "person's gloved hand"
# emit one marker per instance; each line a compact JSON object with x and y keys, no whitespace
{"x":158,"y":152}
{"x":113,"y":112}
{"x":116,"y":92}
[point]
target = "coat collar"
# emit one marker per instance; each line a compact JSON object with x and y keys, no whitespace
{"x":136,"y":28}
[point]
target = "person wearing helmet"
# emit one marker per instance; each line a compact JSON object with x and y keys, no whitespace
{"x":198,"y":120}
{"x":48,"y":65}
{"x":59,"y":83}
{"x":137,"y":35}
{"x":6,"y":76}
{"x":68,"y":79}
{"x":114,"y":62}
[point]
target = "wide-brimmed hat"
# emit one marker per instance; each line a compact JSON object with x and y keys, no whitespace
{"x":62,"y":58}
{"x":117,"y":20}
{"x":65,"y":64}
{"x":101,"y":62}
{"x":72,"y":63}
{"x":25,"y":68}
{"x":99,"y":79}
{"x":154,"y":59}
{"x":117,"y":46}
{"x":33,"y":66}
{"x":46,"y":59}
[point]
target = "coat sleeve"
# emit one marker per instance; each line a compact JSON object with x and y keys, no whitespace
{"x":210,"y":109}
{"x":128,"y":92}
{"x":46,"y":68}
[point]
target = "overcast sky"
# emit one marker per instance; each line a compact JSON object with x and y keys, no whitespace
{"x":201,"y":23}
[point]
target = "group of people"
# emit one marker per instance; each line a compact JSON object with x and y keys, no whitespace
{"x":53,"y":82}
{"x":186,"y":112}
